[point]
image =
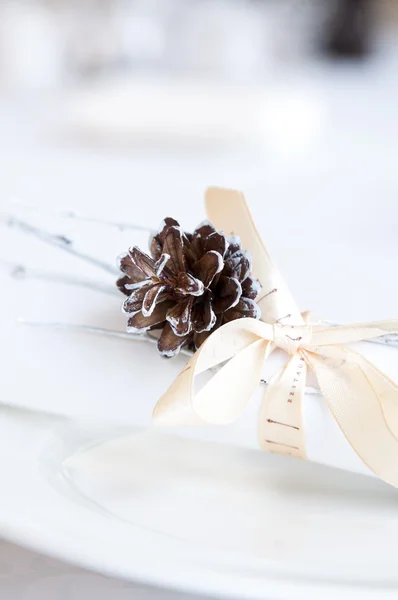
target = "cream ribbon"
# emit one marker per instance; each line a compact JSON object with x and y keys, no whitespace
{"x":362,"y":400}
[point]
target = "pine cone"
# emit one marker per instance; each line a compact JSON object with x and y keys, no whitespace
{"x":190,"y":286}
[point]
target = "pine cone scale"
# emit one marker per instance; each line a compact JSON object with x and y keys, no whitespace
{"x":251,"y":288}
{"x":217,"y":242}
{"x":189,"y":285}
{"x":169,"y":344}
{"x":139,"y":323}
{"x":208,"y":266}
{"x":179,"y":317}
{"x":153,"y":296}
{"x":134,"y":301}
{"x":173,"y":246}
{"x":203,"y":316}
{"x":245,"y":308}
{"x":238,"y":266}
{"x":144,"y":262}
{"x":127,"y":266}
{"x":227,"y":294}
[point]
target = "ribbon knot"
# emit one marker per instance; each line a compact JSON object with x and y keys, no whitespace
{"x":291,"y":338}
{"x":360,"y":397}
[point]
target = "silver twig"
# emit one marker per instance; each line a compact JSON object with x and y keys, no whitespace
{"x":22,"y":272}
{"x":74,"y":327}
{"x":56,"y":240}
{"x":76,"y":216}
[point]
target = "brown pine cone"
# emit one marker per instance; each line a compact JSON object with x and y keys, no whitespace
{"x":192,"y":284}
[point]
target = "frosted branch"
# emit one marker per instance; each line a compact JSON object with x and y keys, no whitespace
{"x":22,"y":272}
{"x":58,"y":241}
{"x":76,"y":216}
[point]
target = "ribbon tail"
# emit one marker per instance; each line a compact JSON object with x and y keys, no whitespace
{"x":356,"y":398}
{"x":228,"y":211}
{"x":385,"y":389}
{"x":281,"y":427}
{"x":174,"y":407}
{"x":346,"y":334}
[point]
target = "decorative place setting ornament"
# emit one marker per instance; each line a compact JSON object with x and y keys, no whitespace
{"x":215,"y":295}
{"x":361,"y":398}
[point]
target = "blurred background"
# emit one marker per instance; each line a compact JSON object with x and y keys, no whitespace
{"x":121,"y":108}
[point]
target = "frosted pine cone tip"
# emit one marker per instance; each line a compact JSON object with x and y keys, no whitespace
{"x":190,"y":285}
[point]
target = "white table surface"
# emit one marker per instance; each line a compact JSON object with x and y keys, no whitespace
{"x":338,"y":183}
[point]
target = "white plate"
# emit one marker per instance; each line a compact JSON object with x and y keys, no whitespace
{"x":194,"y":515}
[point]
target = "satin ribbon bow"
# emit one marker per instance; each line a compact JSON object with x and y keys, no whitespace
{"x":362,"y":400}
